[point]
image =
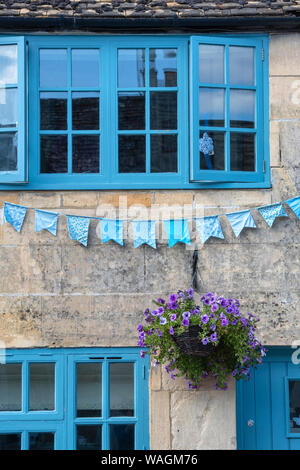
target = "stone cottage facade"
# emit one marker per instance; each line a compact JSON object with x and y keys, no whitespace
{"x":56,"y":295}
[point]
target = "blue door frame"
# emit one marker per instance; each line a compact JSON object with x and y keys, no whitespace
{"x":62,"y":420}
{"x":263,"y":404}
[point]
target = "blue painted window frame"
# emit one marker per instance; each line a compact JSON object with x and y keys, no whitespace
{"x":63,"y":419}
{"x":19,"y":175}
{"x":260,"y":130}
{"x":187,"y":113}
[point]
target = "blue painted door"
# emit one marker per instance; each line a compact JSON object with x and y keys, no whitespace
{"x":268,"y":406}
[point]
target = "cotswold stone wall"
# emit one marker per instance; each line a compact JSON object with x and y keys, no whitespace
{"x":56,"y":293}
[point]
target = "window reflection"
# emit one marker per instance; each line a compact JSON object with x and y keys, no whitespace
{"x":8,"y":64}
{"x":163,"y":67}
{"x":294,"y":395}
{"x":131,"y":68}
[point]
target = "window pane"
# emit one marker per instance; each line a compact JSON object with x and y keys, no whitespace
{"x":212,"y":150}
{"x":211,"y":107}
{"x":163,"y":67}
{"x":54,"y":154}
{"x":242,"y":108}
{"x":163,"y":110}
{"x":41,"y":441}
{"x":85,"y":68}
{"x":89,"y":437}
{"x":132,"y":154}
{"x":8,"y":64}
{"x":8,"y":151}
{"x":53,"y":110}
{"x":242,"y":151}
{"x":211,"y":64}
{"x":10,"y":441}
{"x":41,"y":386}
{"x":10,"y":388}
{"x":241,"y":65}
{"x":85,"y":111}
{"x":8,"y":107}
{"x":131,"y":68}
{"x":53,"y":68}
{"x":294,"y":394}
{"x":131,"y":106}
{"x":122,"y":437}
{"x":85,"y":154}
{"x":89,"y":389}
{"x":163,"y":153}
{"x":122,"y":389}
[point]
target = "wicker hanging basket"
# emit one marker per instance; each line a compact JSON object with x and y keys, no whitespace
{"x":189,"y":343}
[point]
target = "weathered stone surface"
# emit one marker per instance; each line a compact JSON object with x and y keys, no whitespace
{"x":160,"y":420}
{"x":204,"y":412}
{"x":285,"y":54}
{"x":284,"y":97}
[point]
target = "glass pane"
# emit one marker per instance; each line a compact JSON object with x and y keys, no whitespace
{"x":294,"y":394}
{"x":122,"y":437}
{"x":53,"y":110}
{"x":122,"y":389}
{"x":53,"y":68}
{"x":163,"y":110}
{"x":8,"y":107}
{"x":163,"y":153}
{"x":212,"y":145}
{"x":10,"y":387}
{"x":131,"y":106}
{"x":41,"y":386}
{"x":242,"y":108}
{"x":85,"y":68}
{"x":8,"y":151}
{"x":132,"y":154}
{"x":211,"y":107}
{"x":241,"y":65}
{"x":54,"y":154}
{"x":211,"y":63}
{"x":8,"y":64}
{"x":89,"y":437}
{"x":85,"y":154}
{"x":89,"y":389}
{"x":41,"y":441}
{"x":10,"y":441}
{"x":163,"y":67}
{"x":85,"y":111}
{"x":242,"y":151}
{"x":131,"y":68}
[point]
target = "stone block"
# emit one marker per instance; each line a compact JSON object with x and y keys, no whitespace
{"x":160,"y":420}
{"x":155,"y":378}
{"x":275,"y":144}
{"x":80,"y":199}
{"x":126,"y":198}
{"x":284,"y":54}
{"x":43,"y":200}
{"x":284,"y":97}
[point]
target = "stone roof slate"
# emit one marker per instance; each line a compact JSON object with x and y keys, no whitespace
{"x":149,"y":8}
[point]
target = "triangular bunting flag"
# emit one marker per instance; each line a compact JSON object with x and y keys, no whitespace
{"x":209,"y":227}
{"x":294,"y":205}
{"x":144,"y":232}
{"x":1,"y":216}
{"x":239,"y":220}
{"x":78,"y":228}
{"x":112,"y":230}
{"x":46,"y":221}
{"x":271,"y":212}
{"x":14,"y":215}
{"x":177,"y":231}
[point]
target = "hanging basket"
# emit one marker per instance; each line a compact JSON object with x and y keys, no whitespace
{"x":189,"y":343}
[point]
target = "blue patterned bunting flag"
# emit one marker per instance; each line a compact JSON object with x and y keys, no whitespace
{"x":239,"y":220}
{"x":209,"y":227}
{"x":294,"y":205}
{"x":112,"y":230}
{"x":271,"y":212}
{"x":46,"y":221}
{"x":14,"y":215}
{"x":144,"y":232}
{"x":177,"y":231}
{"x":79,"y":228}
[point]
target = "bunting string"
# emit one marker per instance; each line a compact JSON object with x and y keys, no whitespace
{"x":144,"y":231}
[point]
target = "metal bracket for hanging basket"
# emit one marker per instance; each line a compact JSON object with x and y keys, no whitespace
{"x":189,"y":342}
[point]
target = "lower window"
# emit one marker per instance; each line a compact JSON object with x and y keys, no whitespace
{"x":85,"y":399}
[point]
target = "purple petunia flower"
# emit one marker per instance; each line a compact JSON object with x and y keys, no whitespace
{"x":205,"y":341}
{"x":171,"y":330}
{"x":173,"y":298}
{"x":141,"y":343}
{"x":191,"y":292}
{"x":234,"y":322}
{"x":172,"y":376}
{"x":154,"y":313}
{"x":161,"y":301}
{"x":244,"y":321}
{"x":142,"y":354}
{"x":213,"y":337}
{"x":206,"y":301}
{"x":163,"y":320}
{"x":229,"y":310}
{"x":204,"y":318}
{"x":173,"y":317}
{"x":142,"y":335}
{"x":214,"y":307}
{"x":160,"y":310}
{"x":181,"y":295}
{"x":213,"y":327}
{"x":186,"y":314}
{"x":140,"y":327}
{"x":185,"y":322}
{"x":174,"y":306}
{"x":225,"y":322}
